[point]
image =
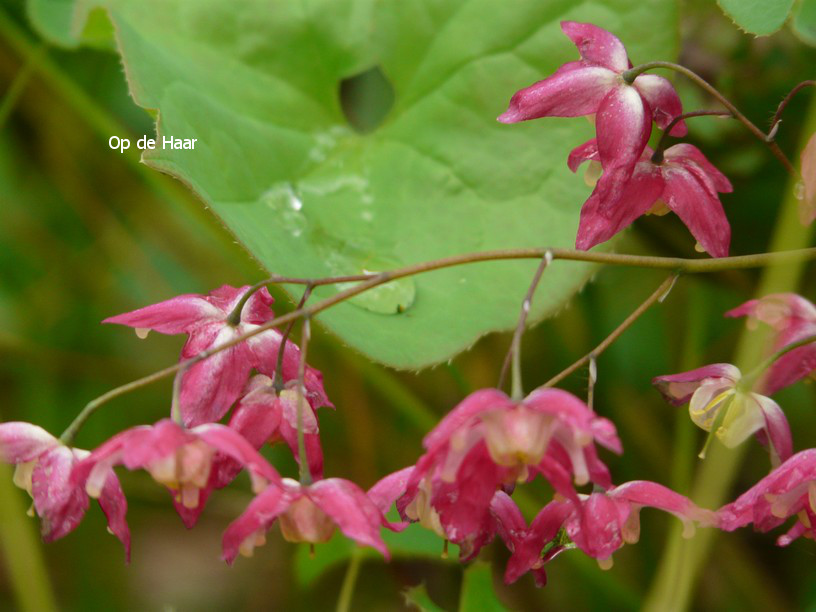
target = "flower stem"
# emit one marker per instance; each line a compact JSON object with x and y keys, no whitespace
{"x":747,"y":381}
{"x":514,"y":353}
{"x":783,"y":105}
{"x":630,"y":75}
{"x":676,"y":264}
{"x":657,"y":156}
{"x":658,"y":296}
{"x":277,"y":383}
{"x":350,"y":581}
{"x":303,"y":459}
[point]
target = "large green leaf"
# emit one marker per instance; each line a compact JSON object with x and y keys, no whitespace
{"x":257,"y":83}
{"x":804,"y":21}
{"x":760,"y":17}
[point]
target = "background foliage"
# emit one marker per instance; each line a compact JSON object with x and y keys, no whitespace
{"x":86,"y":233}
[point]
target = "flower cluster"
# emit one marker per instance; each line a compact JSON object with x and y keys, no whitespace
{"x":635,"y":180}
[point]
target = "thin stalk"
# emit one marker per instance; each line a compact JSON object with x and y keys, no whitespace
{"x":746,"y":381}
{"x":304,"y":471}
{"x":349,"y":581}
{"x":175,"y":404}
{"x":630,"y":75}
{"x":278,"y":382}
{"x":676,"y":264}
{"x":593,"y":378}
{"x":514,"y":353}
{"x":657,"y":156}
{"x":783,"y":105}
{"x":658,"y":295}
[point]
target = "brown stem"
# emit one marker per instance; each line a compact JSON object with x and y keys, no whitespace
{"x":657,"y":157}
{"x":783,"y":104}
{"x":278,"y":381}
{"x":659,"y":294}
{"x":514,"y":353}
{"x":303,"y":458}
{"x":676,"y":264}
{"x":630,"y":75}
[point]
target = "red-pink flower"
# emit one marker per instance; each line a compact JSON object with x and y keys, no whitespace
{"x":43,"y":469}
{"x":599,"y":524}
{"x":262,"y":415}
{"x":713,"y":388}
{"x":684,"y":181}
{"x":306,"y":514}
{"x":595,"y":84}
{"x":490,"y":441}
{"x":793,"y":318}
{"x":210,"y":386}
{"x":180,"y":459}
{"x":789,"y":490}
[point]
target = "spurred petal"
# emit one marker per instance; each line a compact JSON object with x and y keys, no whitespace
{"x":791,"y":367}
{"x":20,"y":442}
{"x":575,"y":89}
{"x":178,"y":315}
{"x":596,"y":530}
{"x":596,"y":45}
{"x":776,"y":425}
{"x":354,"y":513}
{"x":585,"y":152}
{"x":114,"y":505}
{"x":698,"y":207}
{"x":387,"y":490}
{"x":474,"y":404}
{"x":623,"y":125}
{"x":807,"y":206}
{"x":209,"y":387}
{"x":616,"y":202}
{"x":685,"y":153}
{"x":259,"y":515}
{"x":663,"y":100}
{"x":60,"y":504}
{"x":782,"y":311}
{"x":678,"y":388}
{"x":645,"y":493}
{"x":257,"y":309}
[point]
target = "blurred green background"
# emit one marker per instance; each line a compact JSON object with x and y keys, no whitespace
{"x":86,"y":233}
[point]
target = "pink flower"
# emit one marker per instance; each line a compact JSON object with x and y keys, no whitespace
{"x":684,"y":181}
{"x":595,"y":84}
{"x":44,"y":467}
{"x":306,"y":514}
{"x":262,"y":415}
{"x":789,"y":490}
{"x":713,"y":388}
{"x":793,"y":318}
{"x":210,"y":386}
{"x":490,"y":441}
{"x":599,"y":524}
{"x":180,"y":459}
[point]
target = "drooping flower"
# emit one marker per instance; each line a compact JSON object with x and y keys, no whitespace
{"x":211,"y":386}
{"x":43,"y":469}
{"x":684,"y":182}
{"x":180,"y":459}
{"x":793,"y":318}
{"x":789,"y":490}
{"x":306,"y":514}
{"x":712,"y":389}
{"x":490,"y":441}
{"x":595,"y":85}
{"x":263,"y":415}
{"x":599,"y":524}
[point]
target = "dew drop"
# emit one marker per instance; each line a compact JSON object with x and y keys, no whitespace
{"x":799,"y":190}
{"x":141,"y":332}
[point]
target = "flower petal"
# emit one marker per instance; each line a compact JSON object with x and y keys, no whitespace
{"x":663,"y":100}
{"x":178,"y":315}
{"x":234,"y":445}
{"x":20,"y":442}
{"x":678,"y":388}
{"x":616,"y":202}
{"x":698,"y":207}
{"x":790,"y":368}
{"x":114,"y":505}
{"x":776,"y":425}
{"x":684,"y":153}
{"x":585,"y":152}
{"x":355,"y":514}
{"x":387,"y":490}
{"x":575,"y":89}
{"x":623,"y":125}
{"x":259,"y":516}
{"x":474,"y":404}
{"x":60,"y":504}
{"x":596,"y":45}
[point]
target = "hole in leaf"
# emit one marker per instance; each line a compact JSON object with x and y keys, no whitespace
{"x":366,"y":99}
